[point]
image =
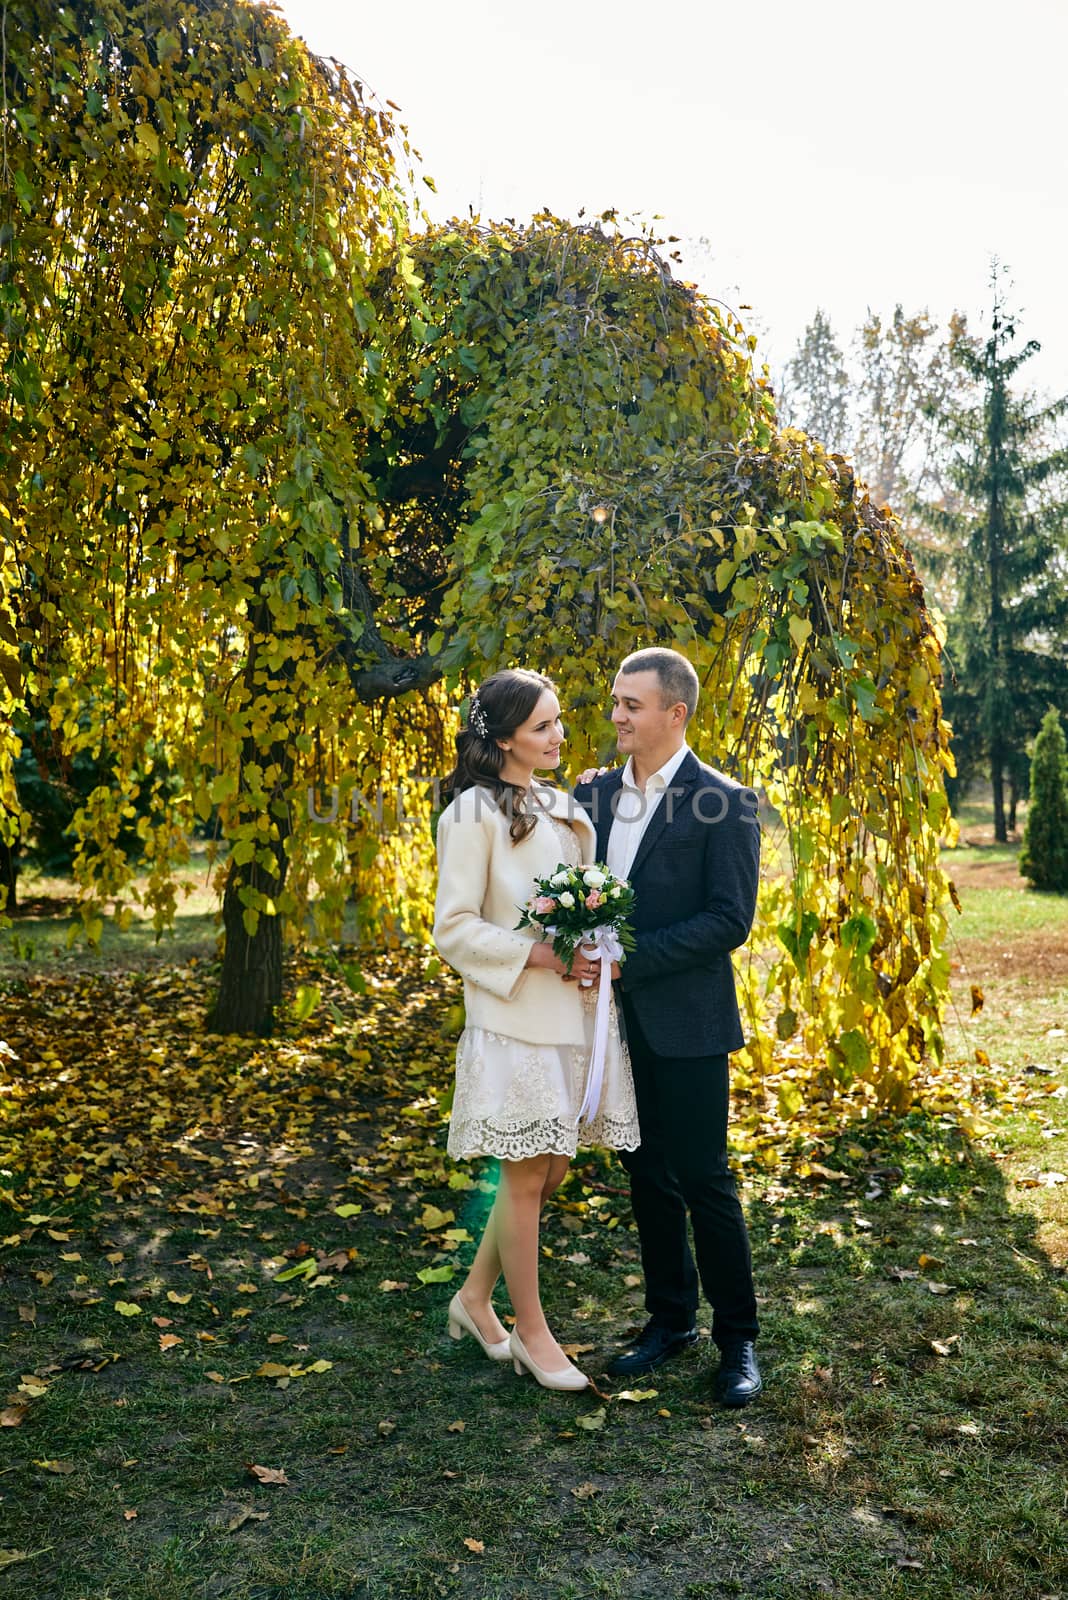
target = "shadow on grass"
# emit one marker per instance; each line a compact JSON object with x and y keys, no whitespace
{"x":916,"y":1402}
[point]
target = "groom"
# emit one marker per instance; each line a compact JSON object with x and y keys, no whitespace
{"x":688,"y":839}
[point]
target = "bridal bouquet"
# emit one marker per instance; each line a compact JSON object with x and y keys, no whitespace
{"x":591,"y":907}
{"x":576,"y":906}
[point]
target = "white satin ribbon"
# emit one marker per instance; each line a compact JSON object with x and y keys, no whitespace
{"x":604,"y":944}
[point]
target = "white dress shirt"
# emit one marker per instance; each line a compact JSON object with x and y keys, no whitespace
{"x":635,"y":808}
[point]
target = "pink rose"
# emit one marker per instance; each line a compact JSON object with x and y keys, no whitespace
{"x":543,"y":903}
{"x":594,"y":899}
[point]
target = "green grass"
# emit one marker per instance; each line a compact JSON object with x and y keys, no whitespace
{"x":912,"y":1439}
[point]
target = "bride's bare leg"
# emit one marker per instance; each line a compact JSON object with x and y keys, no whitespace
{"x":518,"y":1214}
{"x":558,"y":1166}
{"x":481,"y":1280}
{"x":485,"y":1269}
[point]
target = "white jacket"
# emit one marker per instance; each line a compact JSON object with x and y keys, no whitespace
{"x":484,"y":880}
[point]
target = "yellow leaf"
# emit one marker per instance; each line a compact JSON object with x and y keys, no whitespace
{"x":167,"y":1341}
{"x":456,"y":1427}
{"x":476,"y":1545}
{"x":593,"y":1420}
{"x":800,"y":628}
{"x":433,"y":1218}
{"x":72,"y":1179}
{"x":148,"y":138}
{"x":177,"y":1299}
{"x":126,"y":1308}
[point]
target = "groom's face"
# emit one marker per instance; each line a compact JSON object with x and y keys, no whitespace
{"x":641,"y":721}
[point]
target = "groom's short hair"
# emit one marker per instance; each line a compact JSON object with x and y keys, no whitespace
{"x":678,"y":680}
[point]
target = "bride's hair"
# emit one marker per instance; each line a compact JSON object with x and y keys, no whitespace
{"x":501,"y":705}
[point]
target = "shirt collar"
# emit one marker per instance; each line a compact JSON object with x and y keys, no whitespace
{"x":661,"y":779}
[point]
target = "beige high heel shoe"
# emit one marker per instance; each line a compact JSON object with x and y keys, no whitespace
{"x":461,"y":1321}
{"x":568,"y":1377}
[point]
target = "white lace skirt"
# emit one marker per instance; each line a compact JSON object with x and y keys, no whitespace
{"x":515,"y":1099}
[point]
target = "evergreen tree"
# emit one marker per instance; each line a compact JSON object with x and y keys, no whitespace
{"x":1044,"y":859}
{"x":1006,"y":551}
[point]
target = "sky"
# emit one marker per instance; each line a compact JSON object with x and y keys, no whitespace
{"x":838,"y":155}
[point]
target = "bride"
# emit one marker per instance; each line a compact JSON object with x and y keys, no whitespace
{"x":522,"y":1060}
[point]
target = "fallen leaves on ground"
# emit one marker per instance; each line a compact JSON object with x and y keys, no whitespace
{"x":112,"y":1089}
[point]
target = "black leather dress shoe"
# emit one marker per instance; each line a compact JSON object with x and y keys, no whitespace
{"x":655,"y":1345}
{"x":738,"y":1380}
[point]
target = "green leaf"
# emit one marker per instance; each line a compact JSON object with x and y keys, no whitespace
{"x":860,"y":932}
{"x":437,"y":1274}
{"x":305,"y":1000}
{"x":301,"y":1269}
{"x":790,"y":1099}
{"x":797,"y":938}
{"x":854,"y":1050}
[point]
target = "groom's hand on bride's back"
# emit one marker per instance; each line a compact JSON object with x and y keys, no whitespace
{"x":591,"y":773}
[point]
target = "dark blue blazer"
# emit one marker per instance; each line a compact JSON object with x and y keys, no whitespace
{"x":695,"y":883}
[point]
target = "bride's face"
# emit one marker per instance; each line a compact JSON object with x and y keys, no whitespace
{"x":537,"y":742}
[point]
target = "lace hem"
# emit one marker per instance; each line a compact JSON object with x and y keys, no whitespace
{"x":548,"y":1136}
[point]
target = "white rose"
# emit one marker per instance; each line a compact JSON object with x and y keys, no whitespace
{"x":566,"y":900}
{"x":593,"y":879}
{"x":615,"y":893}
{"x":559,"y":878}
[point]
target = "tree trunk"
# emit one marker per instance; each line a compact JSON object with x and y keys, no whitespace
{"x":997,"y":779}
{"x":251,"y":986}
{"x":9,"y":873}
{"x":1014,"y":800}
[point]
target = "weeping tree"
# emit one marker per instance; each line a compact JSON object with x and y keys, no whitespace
{"x":195,"y":209}
{"x":285,"y":477}
{"x":587,"y":449}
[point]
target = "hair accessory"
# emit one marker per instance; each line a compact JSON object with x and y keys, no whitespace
{"x":476,"y":718}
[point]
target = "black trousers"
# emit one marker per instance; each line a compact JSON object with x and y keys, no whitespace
{"x":681,"y":1167}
